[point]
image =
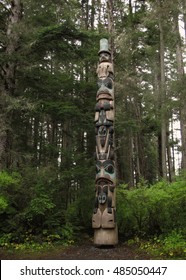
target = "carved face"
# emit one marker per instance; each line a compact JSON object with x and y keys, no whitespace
{"x":108,"y":83}
{"x":105,"y":170}
{"x":102,"y":194}
{"x":104,"y":57}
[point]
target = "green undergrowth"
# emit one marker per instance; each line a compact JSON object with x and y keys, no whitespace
{"x":34,"y":246}
{"x":47,"y":247}
{"x":33,"y":220}
{"x":156,"y":215}
{"x":32,"y":251}
{"x":156,"y":210}
{"x":171,"y":246}
{"x":66,"y":237}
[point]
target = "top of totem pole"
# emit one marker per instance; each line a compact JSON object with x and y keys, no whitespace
{"x":104,"y":46}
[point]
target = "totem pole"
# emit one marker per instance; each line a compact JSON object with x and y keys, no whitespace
{"x":104,"y":218}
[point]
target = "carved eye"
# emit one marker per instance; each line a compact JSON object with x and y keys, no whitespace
{"x":109,"y":168}
{"x":108,"y":83}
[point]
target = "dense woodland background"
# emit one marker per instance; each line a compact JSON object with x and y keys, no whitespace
{"x":48,"y":60}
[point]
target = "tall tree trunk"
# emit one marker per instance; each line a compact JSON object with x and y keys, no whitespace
{"x":155,"y":74}
{"x":13,"y":37}
{"x":183,"y":134}
{"x":180,"y":76}
{"x":7,"y":88}
{"x":3,"y":128}
{"x":183,"y":111}
{"x":184,"y":15}
{"x":169,"y":161}
{"x":85,"y":14}
{"x":92,"y":15}
{"x":137,"y":159}
{"x":162,"y":100}
{"x":35,"y":137}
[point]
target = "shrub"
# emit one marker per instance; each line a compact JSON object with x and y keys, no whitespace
{"x":147,"y":211}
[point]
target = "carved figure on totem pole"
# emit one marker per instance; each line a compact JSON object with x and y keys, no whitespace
{"x":104,"y":218}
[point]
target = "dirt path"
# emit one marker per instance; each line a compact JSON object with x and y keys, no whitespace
{"x":81,"y":252}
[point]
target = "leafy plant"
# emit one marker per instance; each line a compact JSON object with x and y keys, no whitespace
{"x":7,"y":179}
{"x":171,"y":246}
{"x":149,"y":211}
{"x":3,"y":204}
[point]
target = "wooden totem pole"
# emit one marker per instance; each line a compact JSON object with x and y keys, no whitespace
{"x":104,"y":218}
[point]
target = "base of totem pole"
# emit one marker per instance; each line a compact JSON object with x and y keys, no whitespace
{"x":106,"y":237}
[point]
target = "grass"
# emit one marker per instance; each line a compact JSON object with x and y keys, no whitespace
{"x":32,"y":252}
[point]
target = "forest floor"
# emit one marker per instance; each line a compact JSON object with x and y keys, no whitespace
{"x":83,"y":251}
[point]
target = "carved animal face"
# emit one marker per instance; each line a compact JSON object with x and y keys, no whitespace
{"x":105,"y":170}
{"x":108,"y":83}
{"x":102,"y":194}
{"x":104,"y":56}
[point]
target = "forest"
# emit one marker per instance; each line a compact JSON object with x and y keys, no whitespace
{"x":48,"y":84}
